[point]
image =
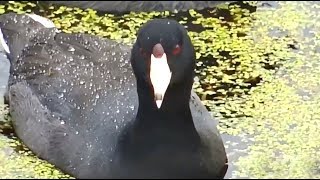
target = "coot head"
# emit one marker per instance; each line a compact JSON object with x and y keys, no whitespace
{"x":163,"y":61}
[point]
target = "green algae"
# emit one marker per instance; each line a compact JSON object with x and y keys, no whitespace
{"x":256,"y":71}
{"x":283,"y":113}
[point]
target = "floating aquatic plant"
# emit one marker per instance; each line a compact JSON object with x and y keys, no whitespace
{"x":257,"y":71}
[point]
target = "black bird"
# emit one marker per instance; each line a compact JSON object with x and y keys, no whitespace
{"x":95,"y":109}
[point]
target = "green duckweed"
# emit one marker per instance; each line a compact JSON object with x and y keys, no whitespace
{"x":257,"y":72}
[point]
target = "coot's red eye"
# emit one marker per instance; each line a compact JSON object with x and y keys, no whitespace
{"x":176,"y":50}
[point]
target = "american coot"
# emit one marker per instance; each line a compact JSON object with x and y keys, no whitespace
{"x":95,"y":109}
{"x":137,"y":6}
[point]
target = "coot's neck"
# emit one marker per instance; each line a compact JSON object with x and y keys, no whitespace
{"x":173,"y":120}
{"x":159,"y":132}
{"x":176,"y":100}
